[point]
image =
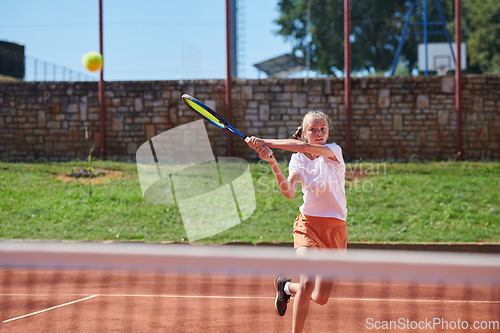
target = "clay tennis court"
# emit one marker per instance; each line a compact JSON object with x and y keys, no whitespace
{"x":61,"y":301}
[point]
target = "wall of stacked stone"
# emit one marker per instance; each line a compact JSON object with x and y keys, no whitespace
{"x":392,"y":118}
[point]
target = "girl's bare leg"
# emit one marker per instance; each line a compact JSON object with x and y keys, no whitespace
{"x":309,"y":288}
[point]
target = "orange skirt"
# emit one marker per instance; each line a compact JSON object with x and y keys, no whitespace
{"x":319,"y":232}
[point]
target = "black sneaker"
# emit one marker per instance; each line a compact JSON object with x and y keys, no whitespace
{"x":281,"y":297}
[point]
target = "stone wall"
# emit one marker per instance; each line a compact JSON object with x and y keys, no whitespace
{"x":392,"y":118}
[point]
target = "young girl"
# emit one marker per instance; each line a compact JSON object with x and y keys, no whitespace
{"x":321,"y":222}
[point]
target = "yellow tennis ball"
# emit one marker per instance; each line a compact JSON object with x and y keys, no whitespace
{"x":92,"y":61}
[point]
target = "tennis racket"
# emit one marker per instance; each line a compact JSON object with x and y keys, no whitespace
{"x":211,"y":116}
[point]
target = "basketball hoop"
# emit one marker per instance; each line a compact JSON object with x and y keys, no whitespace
{"x":442,"y":70}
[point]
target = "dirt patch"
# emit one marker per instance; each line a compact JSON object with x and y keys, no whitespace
{"x":99,"y":176}
{"x":354,"y":176}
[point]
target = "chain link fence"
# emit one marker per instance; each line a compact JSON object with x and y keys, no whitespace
{"x":387,"y":37}
{"x":15,"y":66}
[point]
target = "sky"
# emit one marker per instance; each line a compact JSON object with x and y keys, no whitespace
{"x":143,"y":39}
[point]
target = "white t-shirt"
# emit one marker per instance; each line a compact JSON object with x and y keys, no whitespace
{"x":323,"y":183}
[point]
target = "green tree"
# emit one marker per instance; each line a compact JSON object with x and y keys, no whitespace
{"x":481,"y":31}
{"x":375,"y":27}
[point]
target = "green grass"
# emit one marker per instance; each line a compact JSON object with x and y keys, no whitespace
{"x":413,"y":202}
{"x":429,"y":202}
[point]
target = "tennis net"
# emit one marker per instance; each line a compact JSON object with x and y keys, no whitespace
{"x":98,"y":287}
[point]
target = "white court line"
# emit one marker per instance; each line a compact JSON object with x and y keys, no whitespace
{"x":52,"y":308}
{"x":160,"y":296}
{"x":47,"y":295}
{"x":191,"y":296}
{"x":331,"y":298}
{"x":413,"y":300}
{"x":266,"y":297}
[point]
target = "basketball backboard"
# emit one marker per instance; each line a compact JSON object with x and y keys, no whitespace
{"x":439,"y":55}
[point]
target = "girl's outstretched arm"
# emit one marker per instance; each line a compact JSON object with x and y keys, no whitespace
{"x":293,"y":145}
{"x":287,"y":186}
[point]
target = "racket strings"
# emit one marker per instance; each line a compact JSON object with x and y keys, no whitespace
{"x":204,"y":111}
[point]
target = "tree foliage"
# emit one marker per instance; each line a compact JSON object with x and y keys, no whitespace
{"x":482,"y":18}
{"x":374,"y":31}
{"x":376,"y":28}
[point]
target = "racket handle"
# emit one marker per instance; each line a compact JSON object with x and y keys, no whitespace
{"x":270,"y":154}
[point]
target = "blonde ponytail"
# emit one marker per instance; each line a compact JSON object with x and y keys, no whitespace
{"x":298,"y":133}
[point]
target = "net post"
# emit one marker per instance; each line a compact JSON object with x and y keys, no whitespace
{"x":347,"y":77}
{"x":102,"y":107}
{"x":228,"y":77}
{"x":458,"y":74}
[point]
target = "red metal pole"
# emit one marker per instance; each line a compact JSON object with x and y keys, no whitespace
{"x":347,"y":80}
{"x":458,"y":74}
{"x":102,"y":109}
{"x":228,"y":77}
